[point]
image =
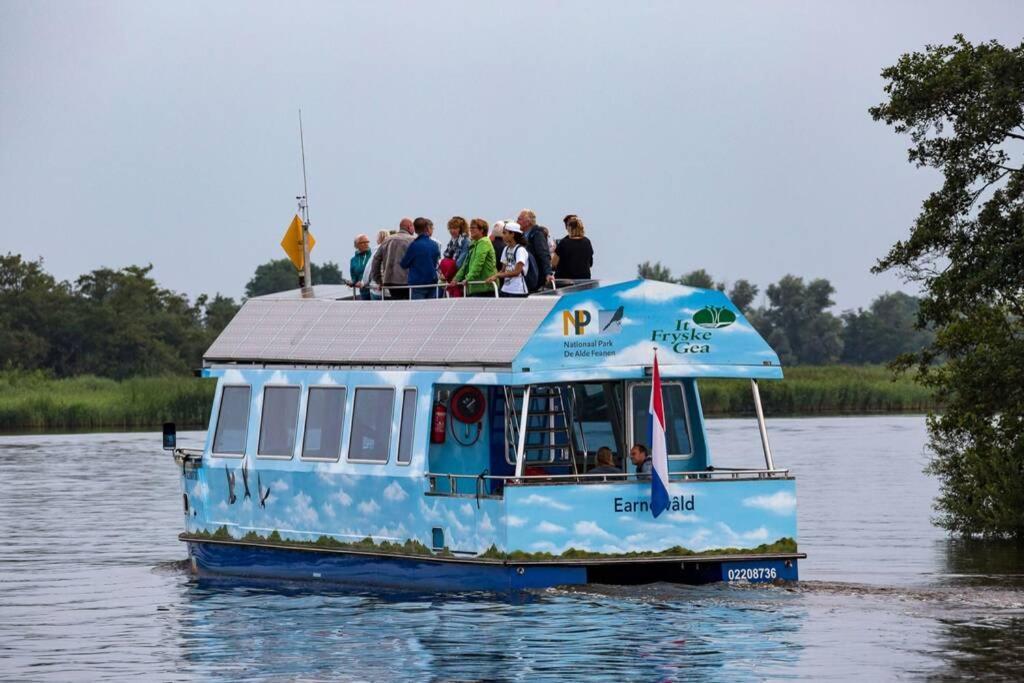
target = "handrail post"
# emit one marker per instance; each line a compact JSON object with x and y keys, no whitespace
{"x":521,"y":447}
{"x":769,"y":463}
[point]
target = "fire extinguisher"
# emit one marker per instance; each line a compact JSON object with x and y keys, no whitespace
{"x":438,"y":423}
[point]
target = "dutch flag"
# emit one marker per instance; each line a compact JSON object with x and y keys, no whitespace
{"x":659,"y":454}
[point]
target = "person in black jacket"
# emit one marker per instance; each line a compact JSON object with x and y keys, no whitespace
{"x":537,"y":245}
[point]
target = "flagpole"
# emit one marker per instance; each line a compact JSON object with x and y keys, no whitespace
{"x":307,"y":278}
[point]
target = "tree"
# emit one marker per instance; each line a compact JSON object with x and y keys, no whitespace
{"x":654,"y":271}
{"x":887,"y":330}
{"x":963,"y":108}
{"x":743,"y":294}
{"x":125,"y":325}
{"x":31,"y":305}
{"x":699,"y":278}
{"x":280,"y":275}
{"x":797,"y":322}
{"x":217,"y":312}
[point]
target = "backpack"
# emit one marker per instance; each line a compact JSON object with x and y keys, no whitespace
{"x":532,"y":273}
{"x":533,"y":278}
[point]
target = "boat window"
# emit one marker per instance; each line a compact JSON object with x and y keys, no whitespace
{"x":407,"y":432}
{"x":597,"y":411}
{"x":279,"y":421}
{"x":371,"y":425}
{"x":232,"y":421}
{"x":325,"y":414}
{"x":677,"y":429}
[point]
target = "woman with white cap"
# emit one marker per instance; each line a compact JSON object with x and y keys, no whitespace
{"x":515,"y":261}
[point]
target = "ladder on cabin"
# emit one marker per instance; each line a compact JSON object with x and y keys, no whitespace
{"x":550,"y":434}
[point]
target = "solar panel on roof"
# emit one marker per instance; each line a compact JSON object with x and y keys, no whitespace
{"x":444,"y":331}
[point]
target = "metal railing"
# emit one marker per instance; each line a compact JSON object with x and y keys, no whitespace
{"x":473,"y":485}
{"x":378,"y":291}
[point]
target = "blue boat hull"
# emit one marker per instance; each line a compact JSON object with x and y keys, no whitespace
{"x":367,"y":570}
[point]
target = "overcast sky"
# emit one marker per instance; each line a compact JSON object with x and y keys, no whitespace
{"x":729,"y":136}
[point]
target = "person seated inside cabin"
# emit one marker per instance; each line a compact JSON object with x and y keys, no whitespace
{"x":641,"y":458}
{"x":605,"y":462}
{"x":421,"y":259}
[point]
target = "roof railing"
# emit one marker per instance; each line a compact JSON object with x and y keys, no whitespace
{"x":475,"y":483}
{"x":377,"y":291}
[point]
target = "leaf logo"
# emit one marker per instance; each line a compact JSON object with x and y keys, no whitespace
{"x":714,"y":317}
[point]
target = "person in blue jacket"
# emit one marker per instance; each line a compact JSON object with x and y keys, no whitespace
{"x":421,"y":260}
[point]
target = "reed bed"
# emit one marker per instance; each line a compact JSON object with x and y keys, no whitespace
{"x":35,"y":402}
{"x":821,"y":390}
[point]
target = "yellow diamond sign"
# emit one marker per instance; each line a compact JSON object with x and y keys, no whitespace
{"x":292,"y":242}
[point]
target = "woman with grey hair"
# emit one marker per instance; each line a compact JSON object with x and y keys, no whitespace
{"x":497,"y":230}
{"x":357,"y":266}
{"x":373,"y":286}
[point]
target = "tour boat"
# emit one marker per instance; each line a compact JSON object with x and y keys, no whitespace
{"x":447,"y":444}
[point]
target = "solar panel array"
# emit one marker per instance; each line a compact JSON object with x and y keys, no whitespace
{"x":465,"y":331}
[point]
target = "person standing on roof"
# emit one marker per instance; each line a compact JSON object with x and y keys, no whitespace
{"x":371,"y":283}
{"x":421,"y":260}
{"x":497,"y":241}
{"x":458,"y":246}
{"x":480,"y":264}
{"x":537,"y":244}
{"x":386,"y":266}
{"x":357,"y":266}
{"x":515,"y":261}
{"x":574,"y":255}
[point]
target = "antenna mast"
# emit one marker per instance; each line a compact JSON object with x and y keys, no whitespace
{"x":306,"y":278}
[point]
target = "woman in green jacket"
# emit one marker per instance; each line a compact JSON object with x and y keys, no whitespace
{"x":481,"y":264}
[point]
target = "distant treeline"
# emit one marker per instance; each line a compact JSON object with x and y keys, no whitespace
{"x":119,"y":323}
{"x":798,"y":325}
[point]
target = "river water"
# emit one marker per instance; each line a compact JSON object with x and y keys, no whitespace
{"x":93,"y":585}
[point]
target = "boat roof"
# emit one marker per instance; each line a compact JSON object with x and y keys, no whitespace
{"x":604,"y":332}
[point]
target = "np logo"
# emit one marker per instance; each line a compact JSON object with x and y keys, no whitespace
{"x":714,"y":317}
{"x":578,"y":321}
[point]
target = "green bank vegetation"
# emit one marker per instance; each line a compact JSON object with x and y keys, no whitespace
{"x":820,"y":390}
{"x":31,"y":401}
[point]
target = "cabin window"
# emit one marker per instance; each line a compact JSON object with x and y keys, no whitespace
{"x":408,"y":430}
{"x":598,"y":414}
{"x":371,"y":425}
{"x":232,"y":421}
{"x":325,"y":415}
{"x":279,"y":422}
{"x":677,"y":428}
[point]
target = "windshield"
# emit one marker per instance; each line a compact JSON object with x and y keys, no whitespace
{"x":677,"y":428}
